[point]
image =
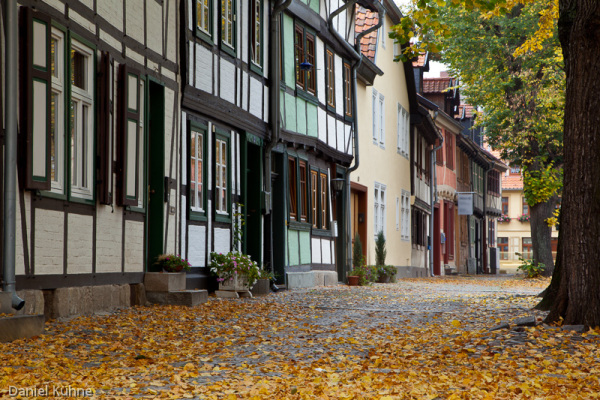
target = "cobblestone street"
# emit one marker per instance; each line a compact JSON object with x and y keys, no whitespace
{"x":415,"y":339}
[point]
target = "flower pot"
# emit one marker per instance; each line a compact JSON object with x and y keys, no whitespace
{"x":237,"y":283}
{"x":353,"y":280}
{"x":164,"y":281}
{"x":384,"y":279}
{"x":261,"y":287}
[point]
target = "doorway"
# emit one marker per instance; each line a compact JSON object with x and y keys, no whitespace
{"x":156,"y":173}
{"x":252,"y":193}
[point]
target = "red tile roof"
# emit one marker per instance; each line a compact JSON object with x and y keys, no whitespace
{"x":364,"y":20}
{"x":468,"y":111}
{"x":512,"y":182}
{"x":436,"y":85}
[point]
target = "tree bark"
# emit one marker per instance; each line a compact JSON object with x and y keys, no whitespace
{"x":578,"y":299}
{"x":550,"y":294}
{"x":541,"y":234}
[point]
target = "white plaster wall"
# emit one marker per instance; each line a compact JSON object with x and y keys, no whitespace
{"x":348,"y":139}
{"x":134,"y":246}
{"x":266,"y":104}
{"x":172,"y":31}
{"x":190,"y":10}
{"x":112,"y":11}
{"x":135,"y":26}
{"x":79,"y":244}
{"x":197,"y":245}
{"x":227,"y":81}
{"x":331,"y":133}
{"x":320,"y":56}
{"x":86,"y":24}
{"x":88,"y":3}
{"x":154,"y":25}
{"x":56,"y":4}
{"x":19,"y":247}
{"x":256,"y":103}
{"x":339,"y":85}
{"x":326,"y":251}
{"x":114,"y":43}
{"x":242,"y":34}
{"x":332,"y":252}
{"x":244,"y":87}
{"x":316,"y":250}
{"x":134,"y":55}
{"x":222,"y":240}
{"x":322,"y":117}
{"x":49,"y":234}
{"x":109,"y":233}
{"x":340,"y":136}
{"x":204,"y":75}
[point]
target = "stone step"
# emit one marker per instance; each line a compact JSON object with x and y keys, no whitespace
{"x":21,"y":327}
{"x":188,"y":298}
{"x":232,"y":294}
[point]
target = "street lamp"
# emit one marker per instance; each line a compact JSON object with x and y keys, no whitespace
{"x":337,"y":185}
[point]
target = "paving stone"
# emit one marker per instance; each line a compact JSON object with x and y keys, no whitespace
{"x":526,"y":321}
{"x":576,"y":328}
{"x":502,"y":325}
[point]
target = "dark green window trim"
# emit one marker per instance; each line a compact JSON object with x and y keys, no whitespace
{"x":226,"y":137}
{"x":207,"y":37}
{"x":306,"y":32}
{"x":307,"y":96}
{"x":299,"y":226}
{"x":347,"y":118}
{"x":203,"y":129}
{"x":254,"y":66}
{"x":226,"y":47}
{"x":144,"y":172}
{"x":327,"y":83}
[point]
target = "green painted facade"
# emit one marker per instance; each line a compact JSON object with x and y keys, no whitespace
{"x":293,"y":247}
{"x":305,"y":254}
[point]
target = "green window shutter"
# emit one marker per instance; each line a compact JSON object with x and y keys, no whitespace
{"x":129,"y":104}
{"x":35,"y":106}
{"x":104,"y":133}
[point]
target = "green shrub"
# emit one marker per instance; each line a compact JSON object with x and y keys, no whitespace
{"x":380,"y":251}
{"x":357,"y":254}
{"x":366,"y":274}
{"x":530,"y":268}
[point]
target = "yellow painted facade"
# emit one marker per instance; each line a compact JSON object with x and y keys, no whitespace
{"x":382,"y":165}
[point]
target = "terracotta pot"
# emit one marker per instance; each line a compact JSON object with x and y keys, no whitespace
{"x":353,"y":281}
{"x":384,"y":279}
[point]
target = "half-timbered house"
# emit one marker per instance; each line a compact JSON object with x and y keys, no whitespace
{"x":98,"y":148}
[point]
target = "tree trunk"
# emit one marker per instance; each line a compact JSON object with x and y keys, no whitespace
{"x":541,"y":234}
{"x":549,"y":295}
{"x":578,"y":300}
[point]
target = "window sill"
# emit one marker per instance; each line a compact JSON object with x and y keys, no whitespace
{"x":311,"y":98}
{"x":228,"y":49}
{"x":256,"y":68}
{"x":300,"y":226}
{"x":198,"y":216}
{"x":321,"y":232}
{"x":223,"y":218}
{"x":205,"y":37}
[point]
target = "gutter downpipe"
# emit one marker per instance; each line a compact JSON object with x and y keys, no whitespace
{"x":274,"y":101}
{"x":355,"y":50}
{"x":433,"y":197}
{"x":10,"y":150}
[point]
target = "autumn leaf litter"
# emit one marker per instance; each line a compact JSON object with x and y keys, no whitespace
{"x":415,"y":339}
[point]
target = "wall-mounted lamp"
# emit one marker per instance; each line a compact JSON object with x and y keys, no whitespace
{"x":337,"y":185}
{"x":306,"y":66}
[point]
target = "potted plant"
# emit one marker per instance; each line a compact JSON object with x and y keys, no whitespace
{"x":172,"y":263}
{"x":504,"y":218}
{"x":234,"y":271}
{"x":365,"y":274}
{"x":386,"y":273}
{"x":263,"y":284}
{"x":524,"y":218}
{"x":358,"y":260}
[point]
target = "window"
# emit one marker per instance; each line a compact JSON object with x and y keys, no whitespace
{"x":256,"y":48}
{"x":515,"y":170}
{"x":292,"y":181}
{"x":382,"y":32}
{"x":527,"y":248}
{"x":503,"y":247}
{"x":505,"y":206}
{"x":402,"y":130}
{"x":221,"y":175}
{"x":204,"y":17}
{"x":419,"y":230}
{"x":330,"y":65}
{"x":304,"y":46}
{"x":323,"y":204}
{"x":379,"y":208}
{"x":378,"y":119}
{"x":131,"y":139}
{"x":449,"y":230}
{"x":197,"y":188}
{"x":405,"y":223}
{"x":439,"y":153}
{"x":491,"y":232}
{"x":314,"y":198}
{"x":347,"y":90}
{"x":449,"y":151}
{"x":228,"y":23}
{"x":525,"y":206}
{"x":57,"y":112}
{"x":303,"y":191}
{"x":494,"y":182}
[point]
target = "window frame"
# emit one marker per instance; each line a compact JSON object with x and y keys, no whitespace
{"x":198,"y":213}
{"x":314,"y":198}
{"x":405,"y":222}
{"x":379,"y":208}
{"x":348,"y":100}
{"x":402,"y":131}
{"x":253,"y":36}
{"x":524,"y":206}
{"x":528,"y":246}
{"x":302,"y":178}
{"x":449,"y":151}
{"x":60,"y":187}
{"x":304,"y":78}
{"x":502,"y":247}
{"x":206,"y":35}
{"x":292,"y":192}
{"x":330,"y":79}
{"x":323,"y":200}
{"x":504,"y":202}
{"x":223,"y":136}
{"x":228,"y":47}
